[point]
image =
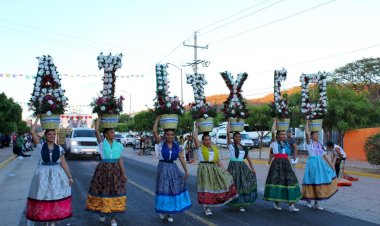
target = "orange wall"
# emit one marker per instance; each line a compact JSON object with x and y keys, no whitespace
{"x":354,"y":141}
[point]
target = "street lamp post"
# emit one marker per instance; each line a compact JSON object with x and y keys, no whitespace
{"x":130,"y":101}
{"x":181,"y":80}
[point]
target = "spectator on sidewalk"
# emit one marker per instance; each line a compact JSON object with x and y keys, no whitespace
{"x":18,"y":148}
{"x":339,"y":158}
{"x":293,"y":147}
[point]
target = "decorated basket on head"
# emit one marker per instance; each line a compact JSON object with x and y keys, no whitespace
{"x":280,"y":105}
{"x":234,"y":108}
{"x":106,"y":104}
{"x":168,"y":107}
{"x":314,"y":111}
{"x":48,"y":98}
{"x":201,"y":111}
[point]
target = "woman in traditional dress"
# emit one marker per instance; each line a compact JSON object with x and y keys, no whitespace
{"x":107,"y":192}
{"x":215,"y":184}
{"x":171,"y":191}
{"x":244,"y":176}
{"x":281,"y":184}
{"x":319,"y":180}
{"x":49,"y":197}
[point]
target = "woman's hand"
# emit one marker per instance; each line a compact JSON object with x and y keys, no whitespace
{"x":71,"y":181}
{"x":253,"y":170}
{"x":124,"y":177}
{"x":186,"y":175}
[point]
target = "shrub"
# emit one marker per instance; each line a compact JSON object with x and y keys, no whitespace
{"x":372,"y":147}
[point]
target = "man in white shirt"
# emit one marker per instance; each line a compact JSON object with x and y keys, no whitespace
{"x":340,"y":157}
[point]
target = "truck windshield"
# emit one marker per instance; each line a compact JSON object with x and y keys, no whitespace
{"x":84,"y":133}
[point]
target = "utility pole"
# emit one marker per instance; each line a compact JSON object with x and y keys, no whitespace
{"x":196,"y":47}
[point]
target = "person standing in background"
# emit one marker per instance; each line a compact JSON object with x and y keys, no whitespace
{"x":339,"y":158}
{"x":293,"y":147}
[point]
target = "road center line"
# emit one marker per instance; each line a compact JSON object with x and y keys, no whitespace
{"x":188,"y":213}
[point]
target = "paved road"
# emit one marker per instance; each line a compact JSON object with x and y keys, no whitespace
{"x":140,"y":204}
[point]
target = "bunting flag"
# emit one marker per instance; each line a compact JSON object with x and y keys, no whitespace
{"x":69,"y":106}
{"x":28,"y":76}
{"x":73,"y":117}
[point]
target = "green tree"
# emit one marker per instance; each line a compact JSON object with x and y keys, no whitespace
{"x":219,"y":118}
{"x":22,"y":127}
{"x":260,"y":119}
{"x":361,"y":75}
{"x":121,"y":127}
{"x":296,"y":117}
{"x":10,"y":114}
{"x":124,"y":118}
{"x":143,"y":121}
{"x":186,"y":122}
{"x":347,"y":109}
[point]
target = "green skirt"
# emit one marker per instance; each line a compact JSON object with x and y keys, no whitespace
{"x":282,"y":184}
{"x":246,"y":183}
{"x":215,"y":185}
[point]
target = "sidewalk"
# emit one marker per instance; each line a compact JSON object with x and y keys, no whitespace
{"x":360,"y":201}
{"x":15,"y":179}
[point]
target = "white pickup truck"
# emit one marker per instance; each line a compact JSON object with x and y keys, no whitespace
{"x":219,"y":137}
{"x":81,"y":141}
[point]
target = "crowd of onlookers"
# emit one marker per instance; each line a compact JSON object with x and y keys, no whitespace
{"x":21,"y":143}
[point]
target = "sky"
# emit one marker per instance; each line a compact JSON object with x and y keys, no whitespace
{"x":253,"y":36}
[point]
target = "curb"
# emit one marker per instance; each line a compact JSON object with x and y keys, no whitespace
{"x":7,"y":161}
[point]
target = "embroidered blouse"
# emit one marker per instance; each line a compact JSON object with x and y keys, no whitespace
{"x":279,"y":148}
{"x":108,"y":152}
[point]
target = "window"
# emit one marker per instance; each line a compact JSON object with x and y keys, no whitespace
{"x":222,"y":136}
{"x":244,"y":136}
{"x":84,"y":133}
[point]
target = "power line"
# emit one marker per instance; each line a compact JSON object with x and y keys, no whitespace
{"x":68,"y":43}
{"x":323,"y":58}
{"x":75,"y":37}
{"x":226,"y":18}
{"x":309,"y":61}
{"x":242,"y":17}
{"x":64,"y":42}
{"x":273,"y":22}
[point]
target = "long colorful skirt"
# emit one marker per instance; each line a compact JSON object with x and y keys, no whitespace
{"x":281,"y":184}
{"x":171,"y":191}
{"x":246,"y":183}
{"x":319,"y":180}
{"x":49,"y":196}
{"x":107,"y":193}
{"x":215,"y":185}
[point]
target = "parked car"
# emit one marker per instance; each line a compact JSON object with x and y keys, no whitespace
{"x":256,"y":143}
{"x":219,"y":137}
{"x":5,"y":140}
{"x":82,"y":142}
{"x":267,"y":141}
{"x":127,"y":139}
{"x":119,"y":137}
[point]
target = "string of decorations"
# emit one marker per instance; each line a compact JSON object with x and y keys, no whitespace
{"x":30,"y":76}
